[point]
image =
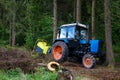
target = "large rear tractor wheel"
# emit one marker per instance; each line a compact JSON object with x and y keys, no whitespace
{"x":60,"y":51}
{"x":88,"y":61}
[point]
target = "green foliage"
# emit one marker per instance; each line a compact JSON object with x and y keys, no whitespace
{"x":3,"y":35}
{"x":39,"y":23}
{"x":116,"y":53}
{"x":46,"y":24}
{"x":29,"y":40}
{"x":115,"y":19}
{"x":116,"y":48}
{"x":17,"y":74}
{"x":34,"y":20}
{"x":44,"y":75}
{"x":117,"y":58}
{"x":10,"y":75}
{"x":99,"y":20}
{"x":42,"y":30}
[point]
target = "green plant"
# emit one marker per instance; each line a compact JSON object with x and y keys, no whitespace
{"x":42,"y":74}
{"x":116,"y":48}
{"x":29,"y":40}
{"x":17,"y":74}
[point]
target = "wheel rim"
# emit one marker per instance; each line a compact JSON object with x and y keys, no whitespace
{"x":87,"y":61}
{"x":57,"y":52}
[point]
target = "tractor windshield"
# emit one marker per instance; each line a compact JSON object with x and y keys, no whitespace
{"x":67,"y":32}
{"x":71,"y":32}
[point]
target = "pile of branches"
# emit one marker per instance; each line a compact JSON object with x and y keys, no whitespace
{"x":15,"y":58}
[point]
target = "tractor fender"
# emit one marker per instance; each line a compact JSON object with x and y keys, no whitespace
{"x":63,"y":40}
{"x":51,"y":65}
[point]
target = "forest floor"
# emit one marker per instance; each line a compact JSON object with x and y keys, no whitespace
{"x":13,"y":58}
{"x":98,"y":73}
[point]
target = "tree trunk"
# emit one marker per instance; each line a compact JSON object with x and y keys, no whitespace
{"x":55,"y":19}
{"x":93,"y":19}
{"x":74,"y":12}
{"x":109,"y":50}
{"x":78,"y":11}
{"x":13,"y":29}
{"x":12,"y":24}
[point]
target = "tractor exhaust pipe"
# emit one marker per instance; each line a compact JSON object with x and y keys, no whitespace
{"x":87,"y":37}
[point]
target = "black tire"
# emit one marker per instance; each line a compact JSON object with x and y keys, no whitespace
{"x":88,"y":61}
{"x":60,"y":51}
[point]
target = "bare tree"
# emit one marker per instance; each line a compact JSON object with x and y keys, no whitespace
{"x":12,"y":30}
{"x":74,"y":12}
{"x":109,"y":50}
{"x":55,"y":19}
{"x":12,"y":11}
{"x":78,"y":11}
{"x":93,"y":19}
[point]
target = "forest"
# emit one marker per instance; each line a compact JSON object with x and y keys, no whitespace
{"x":23,"y":22}
{"x":33,"y":19}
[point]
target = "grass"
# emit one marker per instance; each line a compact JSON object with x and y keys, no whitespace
{"x":17,"y":74}
{"x":41,"y":74}
{"x":116,"y":50}
{"x":117,"y":57}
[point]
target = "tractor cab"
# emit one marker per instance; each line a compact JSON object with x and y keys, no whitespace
{"x":72,"y":31}
{"x":73,"y":34}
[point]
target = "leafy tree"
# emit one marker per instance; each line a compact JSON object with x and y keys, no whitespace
{"x":39,"y":22}
{"x":10,"y":7}
{"x":115,"y":18}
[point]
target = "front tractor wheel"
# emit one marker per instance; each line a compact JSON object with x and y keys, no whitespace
{"x":60,"y":51}
{"x":88,"y":61}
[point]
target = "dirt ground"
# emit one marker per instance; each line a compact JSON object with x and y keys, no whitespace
{"x":13,"y":58}
{"x":97,"y":73}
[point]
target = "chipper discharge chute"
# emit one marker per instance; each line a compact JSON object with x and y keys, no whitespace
{"x":41,"y":46}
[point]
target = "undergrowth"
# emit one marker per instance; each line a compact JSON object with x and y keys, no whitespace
{"x":17,"y":74}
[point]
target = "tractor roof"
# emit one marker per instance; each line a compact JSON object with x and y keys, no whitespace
{"x":74,"y":24}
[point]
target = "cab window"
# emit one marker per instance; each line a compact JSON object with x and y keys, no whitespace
{"x":83,"y":34}
{"x":71,"y":32}
{"x":63,"y":33}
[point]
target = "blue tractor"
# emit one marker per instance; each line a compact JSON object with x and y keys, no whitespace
{"x":73,"y":41}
